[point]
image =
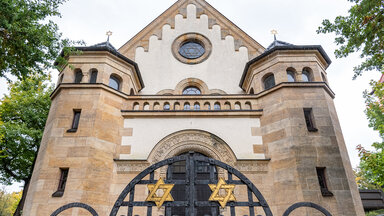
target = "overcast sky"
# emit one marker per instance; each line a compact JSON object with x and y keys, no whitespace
{"x":295,"y":20}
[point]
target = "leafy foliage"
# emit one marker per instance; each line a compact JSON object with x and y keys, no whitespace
{"x":28,"y":40}
{"x":361,"y":31}
{"x":372,"y":162}
{"x":375,"y":107}
{"x":363,"y":182}
{"x":8,"y":202}
{"x":375,"y":213}
{"x":23,"y":113}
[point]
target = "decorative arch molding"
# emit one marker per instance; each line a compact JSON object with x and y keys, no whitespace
{"x":308,"y":205}
{"x":75,"y":205}
{"x":192,"y":140}
{"x":191,"y":82}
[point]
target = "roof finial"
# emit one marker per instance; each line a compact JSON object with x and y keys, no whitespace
{"x":109,"y":33}
{"x":274,"y":32}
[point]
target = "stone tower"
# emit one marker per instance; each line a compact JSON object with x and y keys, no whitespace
{"x":279,"y":126}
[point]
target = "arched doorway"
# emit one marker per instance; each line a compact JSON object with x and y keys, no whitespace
{"x":204,"y":173}
{"x":194,"y":163}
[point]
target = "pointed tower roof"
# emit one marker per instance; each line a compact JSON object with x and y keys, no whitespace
{"x":277,"y":43}
{"x":202,"y":7}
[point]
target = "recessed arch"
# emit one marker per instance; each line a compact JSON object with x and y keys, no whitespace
{"x":307,"y":74}
{"x":191,"y":82}
{"x":115,"y":82}
{"x":93,"y":75}
{"x":75,"y":205}
{"x":78,"y":75}
{"x":291,"y":74}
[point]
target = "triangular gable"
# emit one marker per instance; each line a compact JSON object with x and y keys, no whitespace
{"x":202,"y":7}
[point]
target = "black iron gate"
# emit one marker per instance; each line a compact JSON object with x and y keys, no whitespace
{"x":191,"y":205}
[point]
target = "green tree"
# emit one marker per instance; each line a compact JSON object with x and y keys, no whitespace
{"x":375,"y":213}
{"x":8,"y":202}
{"x":29,"y":41}
{"x":23,"y":112}
{"x":363,"y":182}
{"x":360,"y":31}
{"x":372,"y":162}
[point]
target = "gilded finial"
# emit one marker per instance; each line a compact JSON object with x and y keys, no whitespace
{"x":274,"y":32}
{"x":109,"y":33}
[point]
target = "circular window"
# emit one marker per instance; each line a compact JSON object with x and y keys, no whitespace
{"x":191,"y":48}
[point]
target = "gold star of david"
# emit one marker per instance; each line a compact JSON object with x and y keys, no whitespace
{"x":215,"y":196}
{"x":160,"y":185}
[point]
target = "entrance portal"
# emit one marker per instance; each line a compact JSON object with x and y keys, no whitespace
{"x":203,"y":172}
{"x":185,"y":191}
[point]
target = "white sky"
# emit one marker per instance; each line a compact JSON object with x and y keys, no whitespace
{"x":295,"y":20}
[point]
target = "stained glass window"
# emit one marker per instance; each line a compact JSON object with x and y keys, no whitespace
{"x":192,"y":50}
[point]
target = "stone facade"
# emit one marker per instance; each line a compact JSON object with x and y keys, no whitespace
{"x":260,"y":131}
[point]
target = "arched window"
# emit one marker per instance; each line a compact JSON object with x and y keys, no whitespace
{"x":187,"y":106}
{"x":248,"y":106}
{"x":191,"y":90}
{"x":291,"y":76}
{"x":227,"y":106}
{"x":78,"y":75}
{"x":132,"y":92}
{"x":196,"y":106}
{"x":146,"y":106}
{"x":93,"y":78}
{"x":237,"y":106}
{"x":306,"y":75}
{"x":136,"y":106}
{"x":176,"y":106}
{"x":251,"y":91}
{"x":269,"y":81}
{"x":156,"y":106}
{"x":217,"y":106}
{"x":114,"y":82}
{"x":207,"y":106}
{"x":166,"y":106}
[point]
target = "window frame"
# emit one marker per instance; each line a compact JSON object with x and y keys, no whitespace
{"x":291,"y":73}
{"x":321,"y":177}
{"x":266,"y":80}
{"x":93,"y":77}
{"x":64,"y":172}
{"x":75,"y":121}
{"x":309,"y":120}
{"x":308,"y":74}
{"x":188,"y":88}
{"x":78,"y":76}
{"x":217,"y":106}
{"x":117,"y":80}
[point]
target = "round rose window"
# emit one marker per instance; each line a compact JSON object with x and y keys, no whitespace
{"x":191,"y":50}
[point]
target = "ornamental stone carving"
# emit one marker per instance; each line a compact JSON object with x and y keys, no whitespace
{"x":192,"y":140}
